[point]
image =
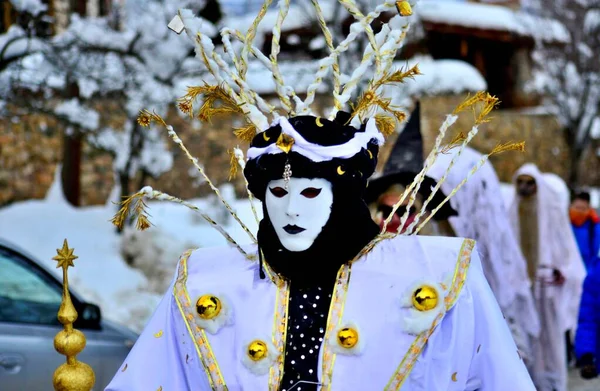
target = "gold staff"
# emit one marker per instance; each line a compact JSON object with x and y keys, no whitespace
{"x":72,"y":375}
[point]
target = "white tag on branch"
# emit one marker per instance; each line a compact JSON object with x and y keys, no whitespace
{"x":176,"y":24}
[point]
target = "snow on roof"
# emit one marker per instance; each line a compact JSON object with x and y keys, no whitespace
{"x":299,"y":74}
{"x":297,"y":17}
{"x":492,"y":17}
{"x":438,"y":77}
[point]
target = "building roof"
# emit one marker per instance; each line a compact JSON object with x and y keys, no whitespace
{"x":486,"y":17}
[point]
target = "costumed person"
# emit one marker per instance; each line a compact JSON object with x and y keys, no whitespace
{"x":405,"y":161}
{"x":587,"y":339}
{"x":482,"y":216}
{"x":555,"y":267}
{"x":318,"y":320}
{"x":322,"y":300}
{"x":586,"y":227}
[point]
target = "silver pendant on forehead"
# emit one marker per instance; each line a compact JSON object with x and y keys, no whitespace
{"x":287,"y":174}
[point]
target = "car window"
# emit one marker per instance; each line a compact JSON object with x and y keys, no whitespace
{"x":26,"y":294}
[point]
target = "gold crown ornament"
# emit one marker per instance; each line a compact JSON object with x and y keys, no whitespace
{"x":72,"y":375}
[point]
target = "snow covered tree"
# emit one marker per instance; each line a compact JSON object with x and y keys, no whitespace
{"x":569,"y":76}
{"x":71,"y":74}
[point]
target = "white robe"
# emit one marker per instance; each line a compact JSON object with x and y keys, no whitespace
{"x":463,"y":344}
{"x":558,"y":306}
{"x":482,"y":216}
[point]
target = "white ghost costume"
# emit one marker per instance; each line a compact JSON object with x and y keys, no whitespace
{"x":557,"y":306}
{"x":482,"y":216}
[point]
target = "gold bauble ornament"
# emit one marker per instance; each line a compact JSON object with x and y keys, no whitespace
{"x":347,"y":337}
{"x":425,"y":298}
{"x":208,"y":306}
{"x":69,"y":342}
{"x":257,"y":350}
{"x":77,"y":376}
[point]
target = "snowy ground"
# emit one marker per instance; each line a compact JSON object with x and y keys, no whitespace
{"x":101,"y":275}
{"x":576,"y":383}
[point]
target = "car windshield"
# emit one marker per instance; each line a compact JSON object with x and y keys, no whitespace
{"x":26,"y":295}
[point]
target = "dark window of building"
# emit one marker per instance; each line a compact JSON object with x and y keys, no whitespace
{"x":494,"y":58}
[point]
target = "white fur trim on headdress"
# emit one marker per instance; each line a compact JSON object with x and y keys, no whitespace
{"x":260,"y":367}
{"x":414,"y":321}
{"x":320,"y":153}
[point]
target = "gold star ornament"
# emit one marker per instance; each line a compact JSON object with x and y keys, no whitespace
{"x":65,"y":256}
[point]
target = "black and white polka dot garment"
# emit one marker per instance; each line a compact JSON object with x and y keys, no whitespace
{"x":307,"y":319}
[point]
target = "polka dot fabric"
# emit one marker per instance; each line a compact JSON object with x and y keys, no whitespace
{"x":307,"y":319}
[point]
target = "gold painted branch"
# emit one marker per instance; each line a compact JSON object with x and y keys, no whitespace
{"x":72,"y":375}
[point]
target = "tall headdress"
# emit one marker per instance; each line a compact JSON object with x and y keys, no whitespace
{"x":371,"y":115}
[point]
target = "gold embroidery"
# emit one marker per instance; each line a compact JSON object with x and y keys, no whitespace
{"x":279,"y":326}
{"x":197,"y":334}
{"x":159,"y":334}
{"x":336,"y":310}
{"x":458,"y":281}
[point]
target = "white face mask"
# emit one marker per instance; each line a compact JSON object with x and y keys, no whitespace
{"x":299,"y":212}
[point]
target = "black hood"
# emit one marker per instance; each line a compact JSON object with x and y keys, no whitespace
{"x":349,"y":227}
{"x":348,"y":230}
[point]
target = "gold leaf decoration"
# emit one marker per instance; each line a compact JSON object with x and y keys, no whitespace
{"x":159,"y":334}
{"x":145,"y":118}
{"x":133,"y":205}
{"x":216,"y":101}
{"x":484,"y":100}
{"x":233,"y":165}
{"x":456,"y":141}
{"x":519,"y":147}
{"x":186,"y":106}
{"x":245,"y":133}
{"x":385,"y":124}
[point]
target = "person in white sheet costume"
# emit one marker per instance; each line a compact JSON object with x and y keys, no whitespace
{"x":483,"y":216}
{"x":540,"y":221}
{"x":322,"y":301}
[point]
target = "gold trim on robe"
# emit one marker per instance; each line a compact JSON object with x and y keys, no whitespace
{"x":336,"y":312}
{"x":197,"y":334}
{"x":458,"y":281}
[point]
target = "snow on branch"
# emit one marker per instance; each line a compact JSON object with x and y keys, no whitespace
{"x":33,"y":7}
{"x":76,"y":113}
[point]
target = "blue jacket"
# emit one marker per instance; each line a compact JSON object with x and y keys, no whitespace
{"x":588,"y":241}
{"x":587,"y":339}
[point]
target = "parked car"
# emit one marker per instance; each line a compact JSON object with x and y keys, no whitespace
{"x":29,"y":300}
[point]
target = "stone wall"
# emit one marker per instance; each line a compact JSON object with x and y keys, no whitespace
{"x":28,"y":158}
{"x":544,"y":143}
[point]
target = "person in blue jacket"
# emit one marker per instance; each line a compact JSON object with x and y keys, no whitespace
{"x":586,"y":227}
{"x":587,"y":341}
